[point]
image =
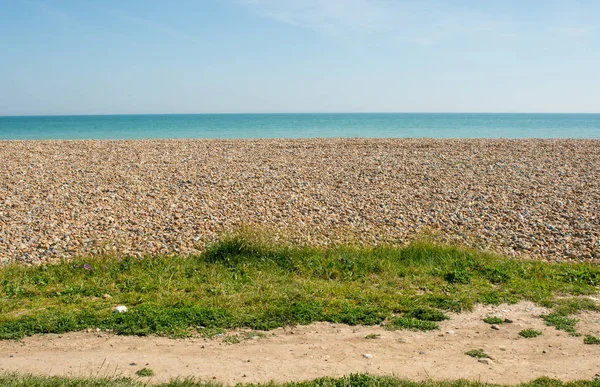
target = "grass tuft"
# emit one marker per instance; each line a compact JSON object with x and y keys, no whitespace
{"x":589,"y":339}
{"x":478,"y":354}
{"x":145,"y":372}
{"x":412,"y":324}
{"x":529,"y":333}
{"x":493,"y":320}
{"x":561,"y":322}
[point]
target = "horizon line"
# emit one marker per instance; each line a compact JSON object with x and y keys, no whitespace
{"x":272,"y":113}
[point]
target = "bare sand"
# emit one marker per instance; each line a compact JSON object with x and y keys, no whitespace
{"x":528,"y":198}
{"x":323,"y":349}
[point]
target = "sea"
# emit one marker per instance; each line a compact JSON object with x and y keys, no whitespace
{"x":326,"y":125}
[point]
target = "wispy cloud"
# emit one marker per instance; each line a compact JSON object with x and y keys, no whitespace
{"x":422,"y":22}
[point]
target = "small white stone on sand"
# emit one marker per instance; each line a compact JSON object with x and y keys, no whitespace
{"x":367,"y":356}
{"x":120,"y":309}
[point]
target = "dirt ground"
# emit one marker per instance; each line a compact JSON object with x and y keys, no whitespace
{"x":323,"y":349}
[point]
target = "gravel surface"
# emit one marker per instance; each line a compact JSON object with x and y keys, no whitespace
{"x":530,"y":198}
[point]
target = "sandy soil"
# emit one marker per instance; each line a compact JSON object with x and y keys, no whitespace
{"x":323,"y":349}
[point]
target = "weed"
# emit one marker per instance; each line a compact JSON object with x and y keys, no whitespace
{"x":529,"y":333}
{"x":412,"y":324}
{"x":478,"y":354}
{"x":493,"y":320}
{"x":560,"y":322}
{"x":426,"y":314}
{"x":231,"y":340}
{"x":145,"y":372}
{"x":589,"y":339}
{"x":371,"y":336}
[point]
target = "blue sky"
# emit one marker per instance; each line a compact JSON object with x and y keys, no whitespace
{"x":220,"y":56}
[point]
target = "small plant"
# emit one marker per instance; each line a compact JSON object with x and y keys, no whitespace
{"x":458,"y":276}
{"x":231,"y":339}
{"x":493,"y":320}
{"x":589,"y":339}
{"x":145,"y":372}
{"x":561,"y":322}
{"x":478,"y":354}
{"x":412,"y":324}
{"x":372,"y":336}
{"x":209,"y":333}
{"x":529,"y":333}
{"x":254,"y":335}
{"x":427,"y":314}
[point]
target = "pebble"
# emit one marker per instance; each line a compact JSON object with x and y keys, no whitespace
{"x":486,"y":361}
{"x":495,"y":327}
{"x":530,"y":198}
{"x":120,"y":309}
{"x":367,"y":356}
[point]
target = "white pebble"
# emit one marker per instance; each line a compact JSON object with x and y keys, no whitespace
{"x":120,"y":309}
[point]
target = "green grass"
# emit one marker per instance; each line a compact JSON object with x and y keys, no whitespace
{"x":493,"y":320}
{"x":354,"y":380}
{"x":145,"y":372}
{"x":529,"y":333}
{"x":560,"y":322}
{"x":245,"y":281}
{"x":478,"y":354}
{"x":563,"y":308}
{"x":589,"y":339}
{"x":372,"y":336}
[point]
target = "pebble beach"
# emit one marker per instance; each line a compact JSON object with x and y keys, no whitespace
{"x":536,"y":199}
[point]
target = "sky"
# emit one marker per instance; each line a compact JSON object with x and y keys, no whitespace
{"x":276,"y":56}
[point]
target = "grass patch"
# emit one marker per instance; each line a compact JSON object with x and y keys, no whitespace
{"x":354,"y":380}
{"x":477,"y":354}
{"x":372,"y":336}
{"x":145,"y":372}
{"x":589,"y":339}
{"x":560,"y":322}
{"x":426,"y":314}
{"x":530,"y":333}
{"x":493,"y":320}
{"x":412,"y":324}
{"x":245,"y":281}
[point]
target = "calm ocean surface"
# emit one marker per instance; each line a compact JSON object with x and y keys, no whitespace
{"x":374,"y":125}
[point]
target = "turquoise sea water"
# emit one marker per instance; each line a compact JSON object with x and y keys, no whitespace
{"x":402,"y":125}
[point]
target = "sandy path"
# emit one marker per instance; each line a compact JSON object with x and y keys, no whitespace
{"x":327,"y":350}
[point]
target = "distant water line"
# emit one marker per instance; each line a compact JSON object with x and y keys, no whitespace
{"x":329,"y":125}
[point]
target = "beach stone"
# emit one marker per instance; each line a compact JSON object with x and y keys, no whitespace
{"x":367,"y":356}
{"x":120,"y":309}
{"x":524,"y":198}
